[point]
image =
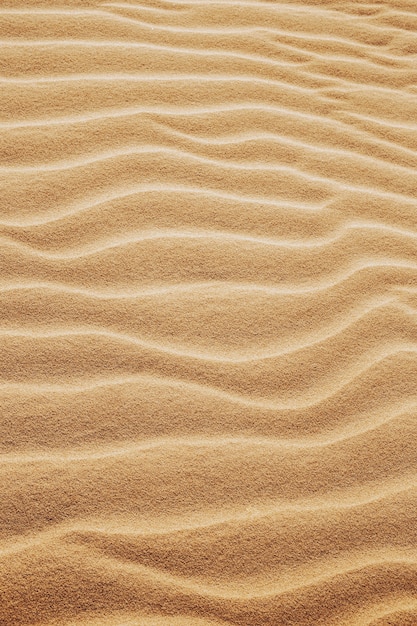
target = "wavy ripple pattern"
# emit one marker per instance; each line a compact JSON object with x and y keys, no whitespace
{"x":208,"y":313}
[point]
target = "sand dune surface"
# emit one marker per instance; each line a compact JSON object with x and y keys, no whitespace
{"x":208,"y":327}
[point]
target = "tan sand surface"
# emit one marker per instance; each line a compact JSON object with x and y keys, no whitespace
{"x":208,"y":313}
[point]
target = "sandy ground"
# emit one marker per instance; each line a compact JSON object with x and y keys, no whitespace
{"x":208,"y":313}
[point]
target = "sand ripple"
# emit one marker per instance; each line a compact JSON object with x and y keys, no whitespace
{"x":208,"y":328}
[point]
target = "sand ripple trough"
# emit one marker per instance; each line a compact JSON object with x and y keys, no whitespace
{"x":208,"y":313}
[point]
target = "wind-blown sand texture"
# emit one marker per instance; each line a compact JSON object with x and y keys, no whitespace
{"x":208,"y":298}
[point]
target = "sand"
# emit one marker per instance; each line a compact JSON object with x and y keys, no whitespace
{"x":208,"y":313}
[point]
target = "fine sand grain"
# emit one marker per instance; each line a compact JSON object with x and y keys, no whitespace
{"x":208,"y":313}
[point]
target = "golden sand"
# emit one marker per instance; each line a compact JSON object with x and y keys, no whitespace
{"x":208,"y":313}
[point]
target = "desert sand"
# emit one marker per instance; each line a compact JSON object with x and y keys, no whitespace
{"x":208,"y":313}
